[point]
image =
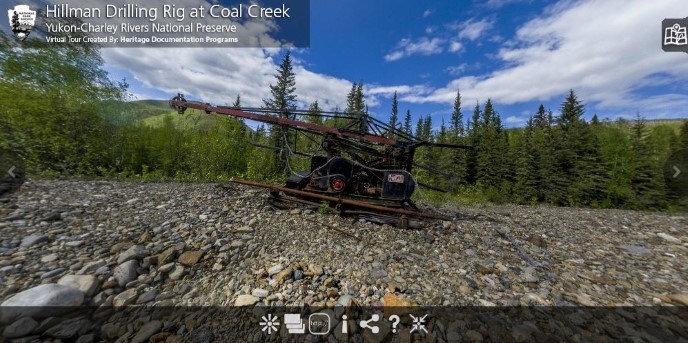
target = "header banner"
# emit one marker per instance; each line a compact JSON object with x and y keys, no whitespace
{"x":184,"y":23}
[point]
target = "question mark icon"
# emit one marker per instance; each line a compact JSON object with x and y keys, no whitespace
{"x":395,"y":321}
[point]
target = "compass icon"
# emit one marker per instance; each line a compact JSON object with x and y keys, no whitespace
{"x":269,"y":323}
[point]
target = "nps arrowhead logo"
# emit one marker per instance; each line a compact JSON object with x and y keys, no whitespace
{"x":22,"y":20}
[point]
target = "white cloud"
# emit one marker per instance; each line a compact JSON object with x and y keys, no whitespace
{"x":457,"y":70}
{"x":218,"y":75}
{"x":421,"y":46}
{"x":604,"y":51}
{"x":473,"y":29}
{"x":427,"y":13}
{"x":495,"y":4}
{"x":455,"y":46}
{"x":513,"y":120}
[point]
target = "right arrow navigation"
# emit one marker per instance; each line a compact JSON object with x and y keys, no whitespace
{"x":676,"y":176}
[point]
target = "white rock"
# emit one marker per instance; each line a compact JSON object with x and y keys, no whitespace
{"x":49,"y":258}
{"x":126,"y":272}
{"x":260,"y":293}
{"x":91,"y":267}
{"x":246,"y":300}
{"x":87,"y":284}
{"x":42,"y":301}
{"x":32,"y":240}
{"x":125,"y":298}
{"x":275,"y":269}
{"x":135,"y":252}
{"x":668,"y":238}
{"x":177,"y":273}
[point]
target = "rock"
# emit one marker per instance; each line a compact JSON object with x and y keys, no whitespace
{"x":392,"y":300}
{"x":315,"y":270}
{"x":146,"y":331}
{"x":47,"y":323}
{"x":127,"y":297}
{"x":298,"y":275}
{"x":177,"y":273}
{"x":117,"y":247}
{"x":190,"y":258}
{"x":244,"y":229}
{"x":52,"y":217}
{"x":679,"y":298}
{"x":87,"y":284}
{"x":20,"y":328}
{"x":149,"y":261}
{"x":538,"y":241}
{"x":167,"y":267}
{"x":91,"y":267}
{"x":377,"y":273}
{"x":635,"y":250}
{"x":32,"y":240}
{"x":167,"y":256}
{"x":246,"y":300}
{"x":283,"y":275}
{"x":90,"y":338}
{"x":446,"y":224}
{"x":53,"y":273}
{"x":473,"y":336}
{"x":147,"y":296}
{"x":126,"y":272}
{"x":201,"y":335}
{"x":260,"y":293}
{"x":332,"y":292}
{"x":42,"y":301}
{"x":275,"y":269}
{"x":159,"y":337}
{"x":135,"y":252}
{"x":74,"y":244}
{"x":668,"y":238}
{"x":49,"y":258}
{"x":69,"y":329}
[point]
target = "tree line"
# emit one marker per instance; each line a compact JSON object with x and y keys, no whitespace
{"x":66,"y":118}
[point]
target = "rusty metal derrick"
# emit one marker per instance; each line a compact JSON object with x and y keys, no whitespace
{"x":364,"y":167}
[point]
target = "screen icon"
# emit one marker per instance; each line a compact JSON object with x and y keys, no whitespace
{"x":294,"y":323}
{"x":319,"y":323}
{"x":365,"y":324}
{"x":270,"y":323}
{"x":418,"y":323}
{"x":675,"y":35}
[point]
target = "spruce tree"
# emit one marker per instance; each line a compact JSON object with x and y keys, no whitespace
{"x":580,"y":175}
{"x":419,"y":128}
{"x":489,"y":168}
{"x":647,"y":181}
{"x":457,"y":117}
{"x":474,"y":138}
{"x":283,"y":100}
{"x":683,"y":135}
{"x":237,"y":102}
{"x":395,"y":112}
{"x":283,"y":93}
{"x":525,"y":174}
{"x":407,"y":123}
{"x":457,"y":133}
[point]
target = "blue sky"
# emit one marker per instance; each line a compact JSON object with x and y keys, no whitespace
{"x":518,"y":53}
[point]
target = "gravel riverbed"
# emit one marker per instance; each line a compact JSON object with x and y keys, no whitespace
{"x":123,"y":243}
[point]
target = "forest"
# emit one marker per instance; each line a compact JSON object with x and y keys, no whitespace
{"x":66,"y":118}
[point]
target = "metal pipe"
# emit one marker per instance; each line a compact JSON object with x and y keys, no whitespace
{"x":337,"y":200}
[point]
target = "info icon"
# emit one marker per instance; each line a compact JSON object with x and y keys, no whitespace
{"x":319,"y":323}
{"x":675,"y":35}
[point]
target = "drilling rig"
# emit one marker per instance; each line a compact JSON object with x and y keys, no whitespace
{"x":364,"y":167}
